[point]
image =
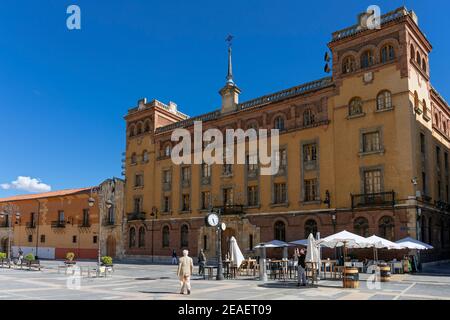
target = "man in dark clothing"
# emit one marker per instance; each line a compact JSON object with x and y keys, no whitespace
{"x":301,"y":269}
{"x":201,"y":262}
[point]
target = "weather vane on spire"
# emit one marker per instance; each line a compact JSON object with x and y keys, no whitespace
{"x":229,"y":39}
{"x":229,"y":78}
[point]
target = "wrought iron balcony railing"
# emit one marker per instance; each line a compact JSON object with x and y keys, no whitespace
{"x":373,"y":199}
{"x":231,"y":209}
{"x":31,"y":225}
{"x":136,"y":216}
{"x":58,"y":224}
{"x":109,"y":222}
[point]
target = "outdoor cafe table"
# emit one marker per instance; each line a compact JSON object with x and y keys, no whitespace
{"x":279,"y":268}
{"x":331,"y":266}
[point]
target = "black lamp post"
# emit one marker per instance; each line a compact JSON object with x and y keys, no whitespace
{"x":154,"y":214}
{"x":219,"y":249}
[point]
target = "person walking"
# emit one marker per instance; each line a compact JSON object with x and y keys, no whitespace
{"x":301,"y":281}
{"x":174,"y":257}
{"x":201,"y":262}
{"x":185,"y":270}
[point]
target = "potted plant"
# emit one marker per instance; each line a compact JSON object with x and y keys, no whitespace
{"x":2,"y":256}
{"x":29,"y":257}
{"x":107,"y":261}
{"x":69,"y":258}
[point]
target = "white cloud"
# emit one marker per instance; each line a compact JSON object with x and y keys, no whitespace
{"x":27,"y":184}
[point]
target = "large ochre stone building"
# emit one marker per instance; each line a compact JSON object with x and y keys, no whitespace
{"x":365,"y":150}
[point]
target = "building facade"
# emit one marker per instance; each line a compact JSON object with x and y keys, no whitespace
{"x":365,"y":150}
{"x":54,"y":223}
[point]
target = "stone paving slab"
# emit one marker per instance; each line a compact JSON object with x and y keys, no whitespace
{"x":149,"y":282}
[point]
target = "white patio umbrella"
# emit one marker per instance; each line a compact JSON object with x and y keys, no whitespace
{"x":344,"y":239}
{"x":379,"y":243}
{"x":411,"y":243}
{"x":236,"y":255}
{"x":312,"y":252}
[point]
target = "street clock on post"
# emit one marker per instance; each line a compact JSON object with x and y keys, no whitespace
{"x":212,"y":219}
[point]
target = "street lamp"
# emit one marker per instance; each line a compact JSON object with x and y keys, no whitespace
{"x":9,"y":210}
{"x":154,"y":214}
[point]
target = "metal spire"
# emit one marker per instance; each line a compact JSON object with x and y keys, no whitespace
{"x":229,"y":78}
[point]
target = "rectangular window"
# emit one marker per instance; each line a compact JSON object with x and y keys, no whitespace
{"x":139,"y":180}
{"x":422,"y":143}
{"x":166,"y":204}
{"x":424,"y":183}
{"x":252,"y":164}
{"x":186,"y":202}
{"x":439,"y":189}
{"x":206,"y":170}
{"x":228,"y":196}
{"x":438,"y":157}
{"x":446,"y":162}
{"x":310,"y":190}
{"x":74,"y":239}
{"x":250,"y":242}
{"x":61,"y":216}
{"x":185,"y":174}
{"x":372,"y":181}
{"x":206,"y":200}
{"x":252,"y":196}
{"x":167,"y":177}
{"x":85,"y":217}
{"x":371,"y":141}
{"x":42,"y":238}
{"x":32,"y":219}
{"x":309,"y":152}
{"x":281,"y":158}
{"x":137,"y":205}
{"x":30,"y":238}
{"x":94,"y":239}
{"x":279,"y":193}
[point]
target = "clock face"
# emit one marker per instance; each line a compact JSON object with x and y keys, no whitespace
{"x":213,"y":219}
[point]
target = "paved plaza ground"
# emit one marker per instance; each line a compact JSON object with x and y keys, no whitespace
{"x":155,"y":282}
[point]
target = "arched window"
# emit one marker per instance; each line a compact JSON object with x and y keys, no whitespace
{"x":310,"y":227}
{"x":132,"y":132}
{"x":253,"y":125}
{"x":355,"y":106}
{"x":133,"y":158}
{"x":430,"y":231}
{"x":165,"y":237}
{"x":424,"y":65}
{"x":387,"y":53}
{"x":167,"y":150}
{"x":280,"y":231}
{"x":141,"y":237}
{"x":416,"y":101}
{"x":111,"y":215}
{"x":418,"y":58}
{"x":436,"y":119}
{"x":308,"y":117}
{"x":386,"y":228}
{"x":147,"y":126}
{"x":413,"y":52}
{"x":139,"y":128}
{"x":279,"y":123}
{"x":348,"y":65}
{"x":367,"y":59}
{"x":384,"y":100}
{"x":184,"y":243}
{"x":145,"y":156}
{"x":361,"y":226}
{"x":132,"y":239}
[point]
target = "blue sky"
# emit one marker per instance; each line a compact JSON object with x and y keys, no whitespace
{"x":63,"y":94}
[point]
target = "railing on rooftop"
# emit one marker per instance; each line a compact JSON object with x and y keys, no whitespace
{"x":390,"y":16}
{"x":291,"y":92}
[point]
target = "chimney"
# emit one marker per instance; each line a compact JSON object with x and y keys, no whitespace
{"x":141,"y":103}
{"x":173,"y":107}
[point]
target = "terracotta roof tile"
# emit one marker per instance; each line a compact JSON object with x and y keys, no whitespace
{"x":44,"y":195}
